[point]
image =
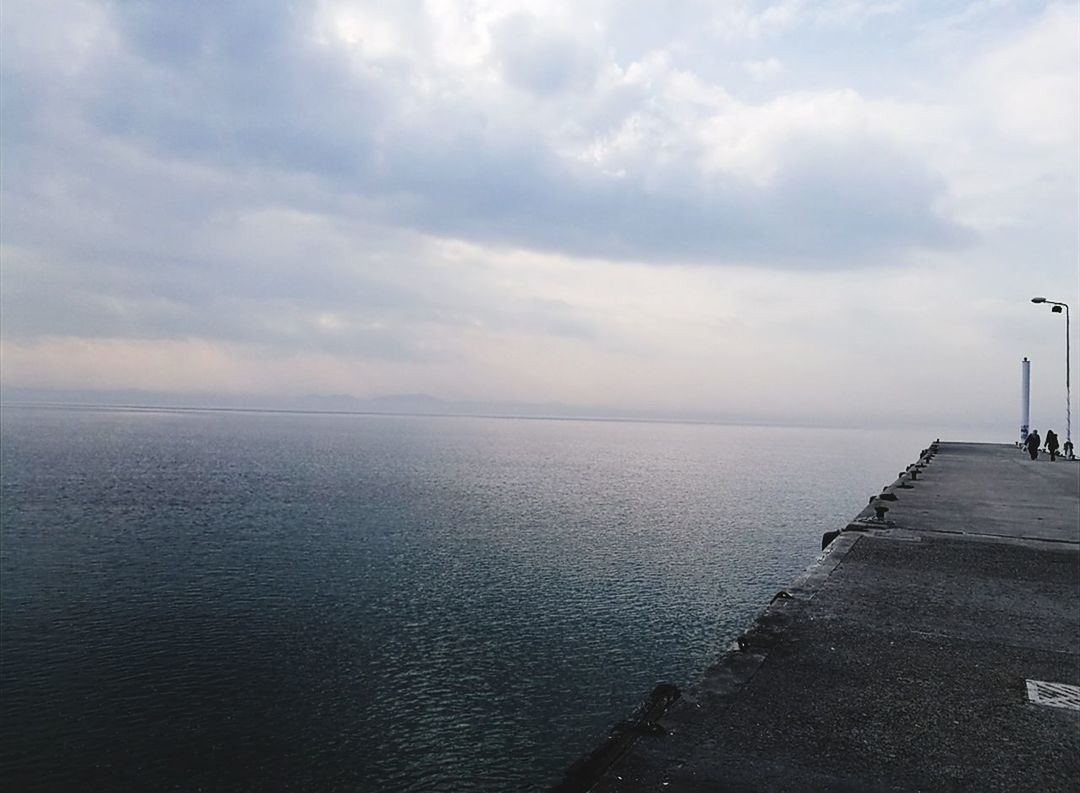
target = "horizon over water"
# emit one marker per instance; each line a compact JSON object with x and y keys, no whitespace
{"x":227,"y":600}
{"x":48,"y":399}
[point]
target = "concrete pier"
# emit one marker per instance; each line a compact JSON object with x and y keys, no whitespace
{"x":904,"y":659}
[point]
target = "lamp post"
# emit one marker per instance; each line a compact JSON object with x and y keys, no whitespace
{"x":1068,"y":394}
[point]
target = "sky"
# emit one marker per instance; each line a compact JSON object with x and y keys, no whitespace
{"x":831,"y":211}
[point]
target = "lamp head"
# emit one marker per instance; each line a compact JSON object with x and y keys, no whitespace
{"x":1055,"y":309}
{"x":1038,"y":300}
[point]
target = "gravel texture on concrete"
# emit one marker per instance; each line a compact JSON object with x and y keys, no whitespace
{"x":900,"y":661}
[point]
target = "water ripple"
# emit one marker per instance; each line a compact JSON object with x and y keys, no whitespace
{"x":200,"y":601}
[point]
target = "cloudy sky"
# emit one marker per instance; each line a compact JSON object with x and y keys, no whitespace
{"x":835,"y":209}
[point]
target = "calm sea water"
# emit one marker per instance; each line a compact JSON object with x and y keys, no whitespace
{"x":251,"y":601}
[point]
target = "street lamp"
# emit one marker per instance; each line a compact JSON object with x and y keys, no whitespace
{"x":1068,"y":395}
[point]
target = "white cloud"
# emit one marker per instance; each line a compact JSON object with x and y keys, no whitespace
{"x":747,"y":19}
{"x":763,"y":69}
{"x":1031,"y":85}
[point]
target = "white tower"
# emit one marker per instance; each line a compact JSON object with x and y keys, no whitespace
{"x":1025,"y":399}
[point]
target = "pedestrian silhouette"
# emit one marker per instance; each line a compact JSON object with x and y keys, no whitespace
{"x":1052,"y":444}
{"x":1033,"y":441}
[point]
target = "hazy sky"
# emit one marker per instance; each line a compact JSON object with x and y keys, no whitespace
{"x":835,"y":209}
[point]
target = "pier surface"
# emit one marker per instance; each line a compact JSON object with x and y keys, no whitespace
{"x":901,"y":660}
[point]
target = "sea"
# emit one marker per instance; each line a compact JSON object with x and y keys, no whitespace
{"x":196,"y":600}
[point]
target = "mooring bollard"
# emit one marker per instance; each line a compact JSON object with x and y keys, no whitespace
{"x":880,"y":510}
{"x":914,"y":473}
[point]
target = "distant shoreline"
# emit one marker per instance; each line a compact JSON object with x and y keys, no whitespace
{"x":404,"y":413}
{"x":150,"y":408}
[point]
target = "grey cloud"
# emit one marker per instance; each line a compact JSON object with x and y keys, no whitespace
{"x":180,"y":33}
{"x":543,"y":61}
{"x":115,"y":249}
{"x":124,"y":185}
{"x":827,"y":208}
{"x":236,"y":86}
{"x":245,"y":92}
{"x":146,"y":300}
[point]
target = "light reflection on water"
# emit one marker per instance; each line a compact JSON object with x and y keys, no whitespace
{"x":322,"y":602}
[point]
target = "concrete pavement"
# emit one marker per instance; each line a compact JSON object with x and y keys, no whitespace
{"x":900,"y":661}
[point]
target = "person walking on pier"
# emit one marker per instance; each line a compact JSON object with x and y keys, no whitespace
{"x":1033,"y":442}
{"x":1052,"y":444}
